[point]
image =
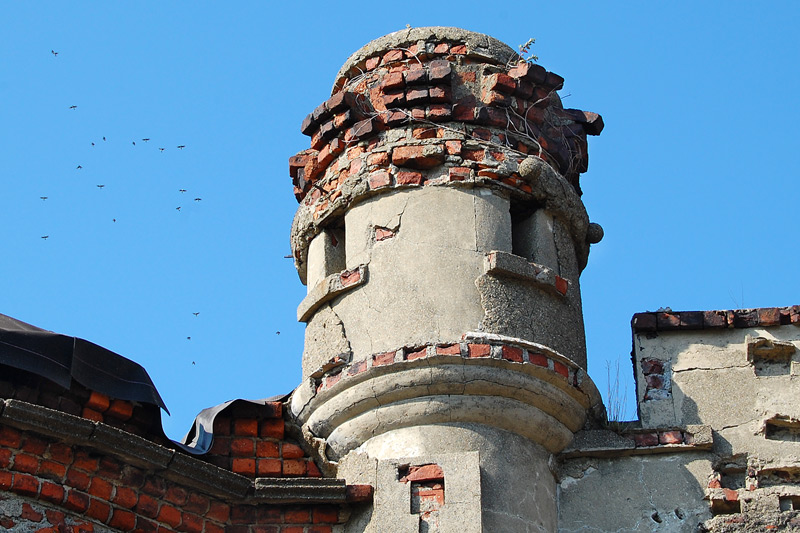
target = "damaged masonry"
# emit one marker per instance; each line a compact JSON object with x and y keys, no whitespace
{"x":441,"y":234}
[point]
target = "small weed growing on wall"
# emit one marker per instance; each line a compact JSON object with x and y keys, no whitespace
{"x":616,"y":399}
{"x":525,"y":51}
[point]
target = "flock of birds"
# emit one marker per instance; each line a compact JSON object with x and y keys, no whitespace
{"x":102,"y":185}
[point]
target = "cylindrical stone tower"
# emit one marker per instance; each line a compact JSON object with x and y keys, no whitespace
{"x":441,"y":235}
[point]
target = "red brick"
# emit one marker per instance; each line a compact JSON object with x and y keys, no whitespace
{"x":28,"y":513}
{"x":357,"y":368}
{"x":125,"y":497}
{"x":219,"y":511}
{"x":420,"y":157}
{"x":479,"y":350}
{"x":51,"y":492}
{"x":451,"y":349}
{"x":416,"y":353}
{"x":55,"y":517}
{"x":319,"y":529}
{"x":458,"y":49}
{"x":380,"y":359}
{"x":510,"y":353}
{"x":272,"y":428}
{"x":313,"y":469}
{"x":459,"y":173}
{"x":325,"y":514}
{"x":77,"y":479}
{"x":350,"y":277}
{"x":770,"y":316}
{"x":169,"y":515}
{"x":380,"y":159}
{"x":269,"y":467}
{"x":730,"y":495}
{"x":269,"y":515}
{"x":379,"y":179}
{"x":6,"y":479}
{"x":440,"y":94}
{"x":372,"y":62}
{"x":34,"y":446}
{"x":245,"y":467}
{"x":91,"y":414}
{"x":294,"y":467}
{"x":670,"y":437}
{"x":291,"y":451}
{"x":655,"y":381}
{"x":297,"y":516}
{"x":60,"y":453}
{"x":197,"y":504}
{"x":381,"y":234}
{"x":267,"y":448}
{"x":84,"y":462}
{"x":644,"y":322}
{"x":453,"y":147}
{"x":247,"y":427}
{"x":10,"y":437}
{"x":147,"y":506}
{"x":122,"y":519}
{"x":121,"y":410}
{"x":646,"y":439}
{"x":99,"y":510}
{"x":392,"y":55}
{"x":561,"y":285}
{"x":501,"y":82}
{"x":439,"y":112}
{"x":667,"y":321}
{"x":474,"y":154}
{"x":538,"y":359}
{"x":176,"y":495}
{"x":155,"y":487}
{"x":98,"y":402}
{"x":652,"y":366}
{"x":243,"y":447}
{"x":222,"y":426}
{"x":393,"y":99}
{"x":408,"y":178}
{"x":441,"y":48}
{"x":77,"y":501}
{"x":101,"y":488}
{"x":561,"y":368}
{"x":191,"y":523}
{"x":25,"y":463}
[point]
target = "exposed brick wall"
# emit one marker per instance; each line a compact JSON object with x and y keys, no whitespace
{"x":251,"y":440}
{"x":477,"y":119}
{"x":133,"y":417}
{"x":76,"y":484}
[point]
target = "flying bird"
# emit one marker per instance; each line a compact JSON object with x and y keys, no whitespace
{"x":100,"y":186}
{"x":182,"y":146}
{"x":197,"y":199}
{"x":177,"y":209}
{"x":290,"y":256}
{"x":45,"y":237}
{"x":188,"y":338}
{"x":195,"y":314}
{"x":133,"y":142}
{"x":145,"y":140}
{"x":73,"y":107}
{"x":78,"y":167}
{"x":43,"y":197}
{"x":92,"y":144}
{"x":277,"y":333}
{"x":181,"y":190}
{"x":55,"y":54}
{"x":161,"y":149}
{"x":104,"y":138}
{"x":113,"y":220}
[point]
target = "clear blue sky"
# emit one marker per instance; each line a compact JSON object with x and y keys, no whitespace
{"x":694,"y":179}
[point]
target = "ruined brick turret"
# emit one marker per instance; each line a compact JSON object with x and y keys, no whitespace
{"x":441,"y":235}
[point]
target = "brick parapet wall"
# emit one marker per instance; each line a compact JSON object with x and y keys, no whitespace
{"x":139,"y":419}
{"x":66,"y":471}
{"x":735,"y":318}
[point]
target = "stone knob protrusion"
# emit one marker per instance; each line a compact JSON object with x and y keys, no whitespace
{"x":594,"y":233}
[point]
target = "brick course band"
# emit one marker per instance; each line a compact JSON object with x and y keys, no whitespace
{"x":736,"y":318}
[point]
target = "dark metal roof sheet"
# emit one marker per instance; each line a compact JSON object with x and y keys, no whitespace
{"x":61,"y":358}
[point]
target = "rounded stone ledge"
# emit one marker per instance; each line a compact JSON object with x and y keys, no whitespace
{"x":479,"y":44}
{"x":544,"y":396}
{"x":493,"y":411}
{"x":332,"y":408}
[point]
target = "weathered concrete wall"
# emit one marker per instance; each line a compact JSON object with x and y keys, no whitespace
{"x":730,"y":374}
{"x":510,"y":495}
{"x":634,"y":493}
